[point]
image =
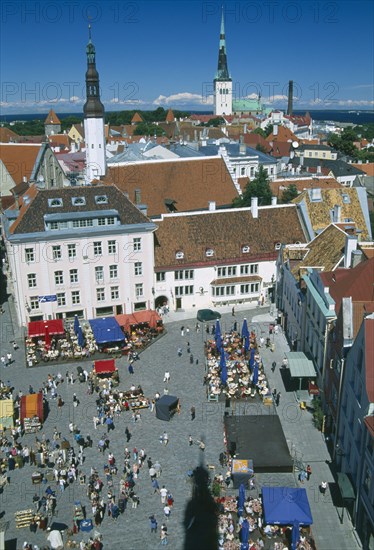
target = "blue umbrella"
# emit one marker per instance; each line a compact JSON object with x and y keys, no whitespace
{"x":223,"y":366}
{"x":252,"y":358}
{"x":217,"y":335}
{"x":244,"y":534}
{"x":241,"y":499}
{"x":295,"y":534}
{"x":76,"y":324}
{"x":80,"y":337}
{"x":245,"y":334}
{"x":255,"y":374}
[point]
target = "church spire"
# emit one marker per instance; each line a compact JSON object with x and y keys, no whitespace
{"x":93,"y":108}
{"x":222,"y":70}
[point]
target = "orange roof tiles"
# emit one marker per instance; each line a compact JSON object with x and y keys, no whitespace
{"x":52,"y":118}
{"x":136,"y":118}
{"x":367,"y":167}
{"x":284,"y":134}
{"x":170,"y":116}
{"x":19,"y":159}
{"x":190,"y":183}
{"x":7,"y":135}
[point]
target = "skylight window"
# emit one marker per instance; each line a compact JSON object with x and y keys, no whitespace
{"x":346,"y":199}
{"x":53,"y":203}
{"x":277,"y":246}
{"x":209,"y":252}
{"x":245,"y":249}
{"x":101,"y":199}
{"x":78,"y":201}
{"x":179,"y":255}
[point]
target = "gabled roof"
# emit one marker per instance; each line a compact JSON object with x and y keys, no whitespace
{"x":320,"y":211}
{"x":357,"y":283}
{"x":225,"y":232}
{"x":52,"y":118}
{"x":8,"y":136}
{"x":284,"y":134}
{"x":338,"y":167}
{"x":136,"y":118}
{"x":19,"y":159}
{"x":254,"y":139}
{"x":59,"y":139}
{"x":279,"y":185}
{"x":326,"y":250}
{"x":170,"y":116}
{"x":367,"y":167}
{"x":190,"y":183}
{"x":34,"y":205}
{"x":280,"y":149}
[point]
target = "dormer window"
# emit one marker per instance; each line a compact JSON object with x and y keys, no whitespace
{"x":179,"y":255}
{"x":277,"y":246}
{"x":346,"y":199}
{"x":245,"y":249}
{"x":209,"y":252}
{"x":78,"y":201}
{"x":54,"y":203}
{"x":101,"y":199}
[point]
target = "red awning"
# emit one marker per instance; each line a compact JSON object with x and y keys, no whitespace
{"x":31,"y":405}
{"x":104,"y":367}
{"x":39,"y":328}
{"x":149,"y":316}
{"x":125,"y":320}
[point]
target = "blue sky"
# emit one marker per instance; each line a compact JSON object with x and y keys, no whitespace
{"x":165,"y":53}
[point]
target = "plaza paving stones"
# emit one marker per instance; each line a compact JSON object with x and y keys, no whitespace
{"x":131,"y":531}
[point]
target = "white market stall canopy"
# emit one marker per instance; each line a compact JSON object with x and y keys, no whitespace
{"x":300,"y":366}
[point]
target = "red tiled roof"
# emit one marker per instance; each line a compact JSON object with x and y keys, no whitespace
{"x":136,"y":118}
{"x":367,"y":167}
{"x":254,"y":139}
{"x":19,"y":159}
{"x":52,"y":118}
{"x":284,"y":134}
{"x":7,"y":135}
{"x":357,"y":283}
{"x":59,"y":139}
{"x":170,"y":116}
{"x":278,"y":186}
{"x":369,"y":358}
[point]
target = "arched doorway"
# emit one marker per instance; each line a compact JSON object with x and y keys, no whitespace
{"x":161,"y":301}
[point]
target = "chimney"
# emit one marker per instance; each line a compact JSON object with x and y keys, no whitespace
{"x":273,"y":201}
{"x":350,"y":247}
{"x":254,"y":207}
{"x":245,"y":128}
{"x":275,"y":130}
{"x":24,"y":179}
{"x":319,"y":171}
{"x":242,"y":146}
{"x":290,"y":97}
{"x":337,"y":213}
{"x":356,"y":258}
{"x":211,"y":206}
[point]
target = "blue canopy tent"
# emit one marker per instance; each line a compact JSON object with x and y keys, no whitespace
{"x":245,"y":335}
{"x":244,"y":535}
{"x":218,"y":336}
{"x":285,"y":505}
{"x":76,"y":324}
{"x":241,"y":499}
{"x":80,"y":337}
{"x":106,"y":330}
{"x":222,"y":364}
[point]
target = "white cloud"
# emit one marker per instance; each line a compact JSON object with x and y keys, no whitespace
{"x":117,"y":101}
{"x":184,"y":98}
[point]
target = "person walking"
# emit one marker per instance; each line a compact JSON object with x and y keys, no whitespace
{"x":179,"y":352}
{"x":165,"y":438}
{"x":9,"y":358}
{"x":3,"y":361}
{"x":277,"y":399}
{"x":308,"y":472}
{"x":273,"y":366}
{"x":130,"y":368}
{"x":164,"y":535}
{"x":167,"y":377}
{"x":193,"y":413}
{"x":167,"y":511}
{"x":153,"y":523}
{"x":155,"y":486}
{"x":190,"y":440}
{"x":127,"y":434}
{"x":323,"y":487}
{"x":233,"y":311}
{"x":163,"y":494}
{"x":182,"y":331}
{"x":191,"y":359}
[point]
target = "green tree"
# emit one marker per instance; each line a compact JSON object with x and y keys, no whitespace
{"x":289,"y":193}
{"x":268,"y":130}
{"x":215,"y":122}
{"x":260,"y":132}
{"x":146,"y":129}
{"x":259,"y":187}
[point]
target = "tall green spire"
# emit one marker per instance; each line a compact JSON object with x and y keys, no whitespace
{"x":222,"y":73}
{"x":93,"y":108}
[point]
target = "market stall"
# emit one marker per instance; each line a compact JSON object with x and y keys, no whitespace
{"x":285,"y":505}
{"x":166,"y":407}
{"x":104,"y":370}
{"x":141,"y":327}
{"x":108,"y":334}
{"x":6,"y":414}
{"x":241,"y":472}
{"x":32,"y":412}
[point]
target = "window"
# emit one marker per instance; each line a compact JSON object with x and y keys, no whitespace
{"x":53,"y":225}
{"x":113,"y":272}
{"x":29,"y":255}
{"x":31,"y":280}
{"x":72,"y":251}
{"x":34,"y":302}
{"x":179,"y":255}
{"x":184,"y":290}
{"x":56,"y":252}
{"x":101,"y":199}
{"x":59,"y":278}
{"x":75,"y":297}
{"x":229,"y":271}
{"x":100,"y":294}
{"x":224,"y":290}
{"x":137,"y":244}
{"x":245,"y":249}
{"x":139,"y":290}
{"x":209,"y":252}
{"x":82,"y":223}
{"x":61,"y":300}
{"x":112,"y":247}
{"x":78,"y":201}
{"x":101,"y":221}
{"x":249,"y":288}
{"x":249,"y":269}
{"x":54,"y":202}
{"x":98,"y":249}
{"x":138,"y":268}
{"x":277,"y":246}
{"x":74,"y":276}
{"x":183,"y":274}
{"x":242,"y":171}
{"x":114,"y":292}
{"x":99,"y":274}
{"x":160,"y":276}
